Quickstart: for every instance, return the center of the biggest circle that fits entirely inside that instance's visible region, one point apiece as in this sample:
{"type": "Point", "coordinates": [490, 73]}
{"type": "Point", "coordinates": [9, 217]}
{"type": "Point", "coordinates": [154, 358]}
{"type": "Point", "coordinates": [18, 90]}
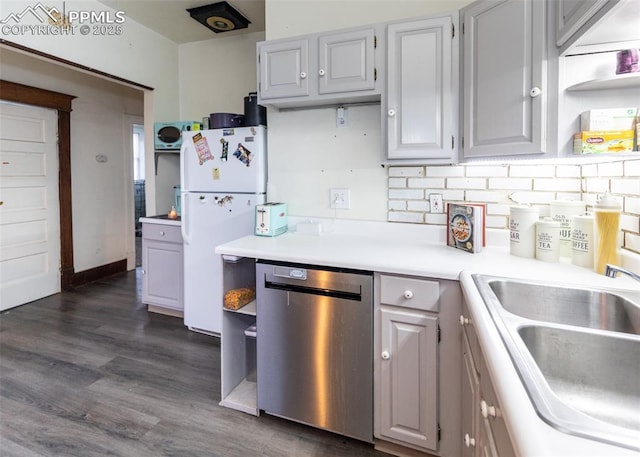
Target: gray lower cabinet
{"type": "Point", "coordinates": [484, 431]}
{"type": "Point", "coordinates": [507, 93]}
{"type": "Point", "coordinates": [417, 371]}
{"type": "Point", "coordinates": [422, 89]}
{"type": "Point", "coordinates": [162, 267]}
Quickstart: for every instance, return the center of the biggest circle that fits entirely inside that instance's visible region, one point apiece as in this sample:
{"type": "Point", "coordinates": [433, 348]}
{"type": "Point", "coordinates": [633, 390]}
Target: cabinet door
{"type": "Point", "coordinates": [162, 274]}
{"type": "Point", "coordinates": [408, 377]}
{"type": "Point", "coordinates": [504, 78]}
{"type": "Point", "coordinates": [283, 69]}
{"type": "Point", "coordinates": [470, 401]}
{"type": "Point", "coordinates": [573, 14]}
{"type": "Point", "coordinates": [421, 89]}
{"type": "Point", "coordinates": [346, 62]}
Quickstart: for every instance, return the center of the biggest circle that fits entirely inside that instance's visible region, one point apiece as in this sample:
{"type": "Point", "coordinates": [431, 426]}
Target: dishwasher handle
{"type": "Point", "coordinates": [357, 296]}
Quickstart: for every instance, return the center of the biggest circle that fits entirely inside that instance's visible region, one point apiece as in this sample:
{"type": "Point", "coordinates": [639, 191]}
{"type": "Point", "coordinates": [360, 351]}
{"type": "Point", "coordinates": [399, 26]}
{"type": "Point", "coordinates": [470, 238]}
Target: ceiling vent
{"type": "Point", "coordinates": [219, 17]}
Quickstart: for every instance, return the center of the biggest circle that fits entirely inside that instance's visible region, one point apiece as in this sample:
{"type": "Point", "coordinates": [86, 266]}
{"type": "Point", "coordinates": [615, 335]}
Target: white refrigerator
{"type": "Point", "coordinates": [223, 176]}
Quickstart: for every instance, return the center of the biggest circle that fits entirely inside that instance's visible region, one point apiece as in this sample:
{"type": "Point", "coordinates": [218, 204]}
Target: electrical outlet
{"type": "Point", "coordinates": [340, 198]}
{"type": "Point", "coordinates": [435, 203]}
{"type": "Point", "coordinates": [341, 118]}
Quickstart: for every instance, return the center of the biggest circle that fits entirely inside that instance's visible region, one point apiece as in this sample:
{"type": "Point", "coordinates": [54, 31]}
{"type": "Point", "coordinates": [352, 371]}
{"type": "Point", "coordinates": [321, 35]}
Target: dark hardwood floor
{"type": "Point", "coordinates": [90, 373]}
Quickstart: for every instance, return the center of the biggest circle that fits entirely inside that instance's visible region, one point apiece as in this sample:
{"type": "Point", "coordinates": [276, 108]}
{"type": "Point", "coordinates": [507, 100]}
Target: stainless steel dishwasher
{"type": "Point", "coordinates": [315, 346]}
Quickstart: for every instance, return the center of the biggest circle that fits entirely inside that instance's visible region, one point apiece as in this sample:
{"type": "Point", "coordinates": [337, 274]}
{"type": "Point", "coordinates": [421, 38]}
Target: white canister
{"type": "Point", "coordinates": [562, 211]}
{"type": "Point", "coordinates": [522, 230]}
{"type": "Point", "coordinates": [582, 240]}
{"type": "Point", "coordinates": [548, 240]}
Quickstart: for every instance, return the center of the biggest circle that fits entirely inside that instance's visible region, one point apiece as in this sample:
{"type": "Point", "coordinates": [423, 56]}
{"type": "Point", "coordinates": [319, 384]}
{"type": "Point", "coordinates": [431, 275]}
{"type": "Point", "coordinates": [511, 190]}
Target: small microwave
{"type": "Point", "coordinates": [168, 135]}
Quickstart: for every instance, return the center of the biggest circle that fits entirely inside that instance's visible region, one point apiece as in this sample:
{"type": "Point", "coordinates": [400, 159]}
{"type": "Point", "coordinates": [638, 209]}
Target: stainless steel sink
{"type": "Point", "coordinates": [564, 305]}
{"type": "Point", "coordinates": [577, 352]}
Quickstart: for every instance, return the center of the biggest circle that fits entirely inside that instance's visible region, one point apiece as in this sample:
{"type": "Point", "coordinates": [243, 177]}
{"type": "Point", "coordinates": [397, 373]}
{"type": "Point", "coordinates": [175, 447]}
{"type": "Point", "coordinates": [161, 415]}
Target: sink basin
{"type": "Point", "coordinates": [571, 306]}
{"type": "Point", "coordinates": [577, 352]}
{"type": "Point", "coordinates": [595, 374]}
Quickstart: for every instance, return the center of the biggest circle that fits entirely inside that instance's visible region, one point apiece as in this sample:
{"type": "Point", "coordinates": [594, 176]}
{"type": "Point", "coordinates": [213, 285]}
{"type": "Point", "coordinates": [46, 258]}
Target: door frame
{"type": "Point", "coordinates": [20, 93]}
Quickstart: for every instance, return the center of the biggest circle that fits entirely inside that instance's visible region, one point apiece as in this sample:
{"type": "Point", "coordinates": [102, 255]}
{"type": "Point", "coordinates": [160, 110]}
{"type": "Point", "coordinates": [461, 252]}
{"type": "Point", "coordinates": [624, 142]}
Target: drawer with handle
{"type": "Point", "coordinates": [160, 232]}
{"type": "Point", "coordinates": [410, 293]}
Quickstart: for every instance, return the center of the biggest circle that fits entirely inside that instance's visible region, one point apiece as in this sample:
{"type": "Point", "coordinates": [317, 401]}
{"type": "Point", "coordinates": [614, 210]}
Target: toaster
{"type": "Point", "coordinates": [271, 219]}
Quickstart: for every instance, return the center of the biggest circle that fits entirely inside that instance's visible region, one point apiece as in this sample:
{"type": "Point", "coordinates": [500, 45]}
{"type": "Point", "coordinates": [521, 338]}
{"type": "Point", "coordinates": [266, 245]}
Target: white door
{"type": "Point", "coordinates": [29, 205]}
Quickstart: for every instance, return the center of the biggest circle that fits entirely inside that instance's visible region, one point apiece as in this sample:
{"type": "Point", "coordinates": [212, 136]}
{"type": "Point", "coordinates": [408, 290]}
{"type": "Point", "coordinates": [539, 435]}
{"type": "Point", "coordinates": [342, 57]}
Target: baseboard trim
{"type": "Point", "coordinates": [93, 274]}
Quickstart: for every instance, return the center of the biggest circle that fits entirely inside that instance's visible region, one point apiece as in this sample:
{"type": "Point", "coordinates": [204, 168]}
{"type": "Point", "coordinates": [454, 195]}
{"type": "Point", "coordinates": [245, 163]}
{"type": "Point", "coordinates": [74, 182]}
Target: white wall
{"type": "Point", "coordinates": [307, 154]}
{"type": "Point", "coordinates": [285, 18]}
{"type": "Point", "coordinates": [215, 75]}
{"type": "Point", "coordinates": [101, 192]}
{"type": "Point", "coordinates": [137, 54]}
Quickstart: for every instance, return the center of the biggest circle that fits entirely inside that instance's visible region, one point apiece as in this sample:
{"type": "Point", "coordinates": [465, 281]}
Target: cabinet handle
{"type": "Point", "coordinates": [408, 294]}
{"type": "Point", "coordinates": [161, 232]}
{"type": "Point", "coordinates": [385, 355]}
{"type": "Point", "coordinates": [468, 441]}
{"type": "Point", "coordinates": [535, 92]}
{"type": "Point", "coordinates": [391, 113]}
{"type": "Point", "coordinates": [144, 272]}
{"type": "Point", "coordinates": [464, 320]}
{"type": "Point", "coordinates": [321, 72]}
{"type": "Point", "coordinates": [487, 410]}
{"type": "Point", "coordinates": [303, 75]}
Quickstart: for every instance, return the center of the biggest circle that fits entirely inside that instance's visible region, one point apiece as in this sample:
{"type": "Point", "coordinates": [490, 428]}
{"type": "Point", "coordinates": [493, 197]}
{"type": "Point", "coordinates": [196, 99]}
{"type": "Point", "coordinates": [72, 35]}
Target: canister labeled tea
{"type": "Point", "coordinates": [548, 240]}
{"type": "Point", "coordinates": [522, 230]}
{"type": "Point", "coordinates": [582, 240]}
{"type": "Point", "coordinates": [562, 211]}
{"type": "Point", "coordinates": [607, 224]}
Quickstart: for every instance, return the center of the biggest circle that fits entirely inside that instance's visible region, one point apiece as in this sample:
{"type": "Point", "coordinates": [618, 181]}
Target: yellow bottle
{"type": "Point", "coordinates": [607, 227]}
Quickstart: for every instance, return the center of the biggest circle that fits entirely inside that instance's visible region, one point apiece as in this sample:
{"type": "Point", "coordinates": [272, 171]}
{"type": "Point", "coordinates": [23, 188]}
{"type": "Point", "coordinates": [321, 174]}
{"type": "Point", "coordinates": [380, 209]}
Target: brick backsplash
{"type": "Point", "coordinates": [500, 186]}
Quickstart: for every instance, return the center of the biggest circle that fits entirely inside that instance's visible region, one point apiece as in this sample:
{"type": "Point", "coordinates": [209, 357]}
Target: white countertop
{"type": "Point", "coordinates": [420, 250]}
{"type": "Point", "coordinates": [160, 220]}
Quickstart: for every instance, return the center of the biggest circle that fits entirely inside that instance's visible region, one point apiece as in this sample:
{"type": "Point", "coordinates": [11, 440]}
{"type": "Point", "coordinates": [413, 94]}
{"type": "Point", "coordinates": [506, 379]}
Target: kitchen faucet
{"type": "Point", "coordinates": [612, 271]}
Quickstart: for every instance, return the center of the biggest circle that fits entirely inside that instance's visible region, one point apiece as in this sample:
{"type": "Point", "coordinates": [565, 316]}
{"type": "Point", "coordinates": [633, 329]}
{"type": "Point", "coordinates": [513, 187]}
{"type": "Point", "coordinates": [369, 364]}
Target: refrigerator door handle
{"type": "Point", "coordinates": [185, 217]}
{"type": "Point", "coordinates": [183, 150]}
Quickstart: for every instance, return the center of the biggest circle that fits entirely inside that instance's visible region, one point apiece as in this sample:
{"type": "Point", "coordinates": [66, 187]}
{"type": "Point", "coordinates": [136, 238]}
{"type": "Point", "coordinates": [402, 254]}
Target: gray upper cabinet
{"type": "Point", "coordinates": [346, 62]}
{"type": "Point", "coordinates": [505, 78]}
{"type": "Point", "coordinates": [594, 26]}
{"type": "Point", "coordinates": [573, 14]}
{"type": "Point", "coordinates": [283, 69]}
{"type": "Point", "coordinates": [319, 69]}
{"type": "Point", "coordinates": [422, 89]}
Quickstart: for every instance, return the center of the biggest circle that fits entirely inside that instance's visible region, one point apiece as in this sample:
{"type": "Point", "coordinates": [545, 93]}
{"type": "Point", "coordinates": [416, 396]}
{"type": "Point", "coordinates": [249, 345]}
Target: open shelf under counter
{"type": "Point", "coordinates": [623, 81]}
{"type": "Point", "coordinates": [250, 309]}
{"type": "Point", "coordinates": [243, 398]}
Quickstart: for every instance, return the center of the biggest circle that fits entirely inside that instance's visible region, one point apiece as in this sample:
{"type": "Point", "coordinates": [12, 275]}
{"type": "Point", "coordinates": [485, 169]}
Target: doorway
{"type": "Point", "coordinates": [139, 182]}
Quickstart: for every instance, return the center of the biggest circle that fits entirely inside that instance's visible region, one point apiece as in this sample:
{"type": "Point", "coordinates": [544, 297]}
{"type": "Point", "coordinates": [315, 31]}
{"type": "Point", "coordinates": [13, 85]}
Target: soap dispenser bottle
{"type": "Point", "coordinates": [607, 227]}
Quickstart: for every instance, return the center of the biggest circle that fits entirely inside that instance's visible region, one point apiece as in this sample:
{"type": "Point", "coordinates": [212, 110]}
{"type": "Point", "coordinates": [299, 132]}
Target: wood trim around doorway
{"type": "Point", "coordinates": [19, 93]}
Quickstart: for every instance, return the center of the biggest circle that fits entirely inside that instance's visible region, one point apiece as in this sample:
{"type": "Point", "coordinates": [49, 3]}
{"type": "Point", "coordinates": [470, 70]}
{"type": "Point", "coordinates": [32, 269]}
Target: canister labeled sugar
{"type": "Point", "coordinates": [562, 211]}
{"type": "Point", "coordinates": [548, 240]}
{"type": "Point", "coordinates": [522, 230]}
{"type": "Point", "coordinates": [607, 225]}
{"type": "Point", "coordinates": [582, 240]}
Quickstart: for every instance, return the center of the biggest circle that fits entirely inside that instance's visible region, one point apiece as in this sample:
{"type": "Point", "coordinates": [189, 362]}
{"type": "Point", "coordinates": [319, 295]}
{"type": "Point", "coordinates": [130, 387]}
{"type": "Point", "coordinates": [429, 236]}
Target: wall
{"type": "Point", "coordinates": [101, 192]}
{"type": "Point", "coordinates": [502, 185]}
{"type": "Point", "coordinates": [307, 153]}
{"type": "Point", "coordinates": [136, 54]}
{"type": "Point", "coordinates": [215, 75]}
